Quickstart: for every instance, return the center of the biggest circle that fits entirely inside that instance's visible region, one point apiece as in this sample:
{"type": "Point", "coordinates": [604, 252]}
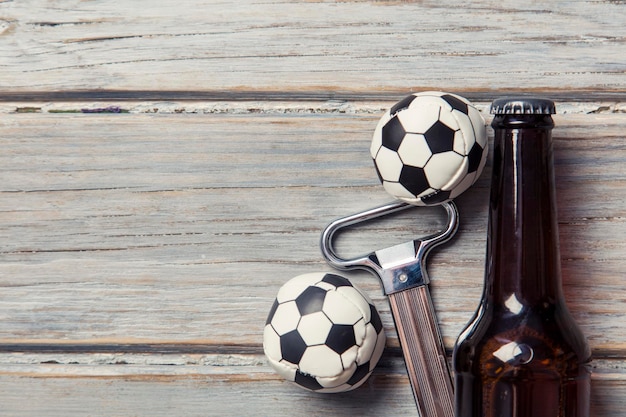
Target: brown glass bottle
{"type": "Point", "coordinates": [522, 355]}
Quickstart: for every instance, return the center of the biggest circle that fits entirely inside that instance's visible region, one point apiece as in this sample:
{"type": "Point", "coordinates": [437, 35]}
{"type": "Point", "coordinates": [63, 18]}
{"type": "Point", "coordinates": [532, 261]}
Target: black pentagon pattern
{"type": "Point", "coordinates": [292, 347]}
{"type": "Point", "coordinates": [440, 137]}
{"type": "Point", "coordinates": [336, 280]}
{"type": "Point", "coordinates": [392, 134]}
{"type": "Point", "coordinates": [375, 319]}
{"type": "Point", "coordinates": [402, 104]}
{"type": "Point", "coordinates": [360, 373]}
{"type": "Point", "coordinates": [270, 316]}
{"type": "Point", "coordinates": [474, 157]}
{"type": "Point", "coordinates": [307, 381]}
{"type": "Point", "coordinates": [436, 198]}
{"type": "Point", "coordinates": [456, 103]}
{"type": "Point", "coordinates": [341, 337]}
{"type": "Point", "coordinates": [414, 179]}
{"type": "Point", "coordinates": [311, 300]}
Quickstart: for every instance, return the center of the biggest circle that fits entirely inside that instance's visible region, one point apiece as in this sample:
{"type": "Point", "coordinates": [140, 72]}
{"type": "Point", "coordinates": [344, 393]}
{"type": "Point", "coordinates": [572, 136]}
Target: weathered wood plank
{"type": "Point", "coordinates": [217, 385]}
{"type": "Point", "coordinates": [283, 46]}
{"type": "Point", "coordinates": [166, 228]}
{"type": "Point", "coordinates": [214, 386]}
{"type": "Point", "coordinates": [141, 247]}
{"type": "Point", "coordinates": [140, 253]}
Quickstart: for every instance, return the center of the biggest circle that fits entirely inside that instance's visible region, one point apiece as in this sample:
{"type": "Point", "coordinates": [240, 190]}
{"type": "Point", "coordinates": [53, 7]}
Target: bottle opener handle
{"type": "Point", "coordinates": [401, 269]}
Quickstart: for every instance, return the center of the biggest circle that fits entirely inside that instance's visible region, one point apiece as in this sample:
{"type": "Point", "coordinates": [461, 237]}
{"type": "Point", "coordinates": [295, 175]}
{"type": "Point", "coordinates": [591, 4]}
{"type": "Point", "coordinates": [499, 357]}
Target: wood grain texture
{"type": "Point", "coordinates": [167, 166]}
{"type": "Point", "coordinates": [287, 46]}
{"type": "Point", "coordinates": [165, 216]}
{"type": "Point", "coordinates": [243, 387]}
{"type": "Point", "coordinates": [135, 257]}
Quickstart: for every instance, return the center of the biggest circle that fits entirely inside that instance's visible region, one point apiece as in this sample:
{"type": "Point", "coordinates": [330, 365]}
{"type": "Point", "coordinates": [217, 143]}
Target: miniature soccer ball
{"type": "Point", "coordinates": [323, 333]}
{"type": "Point", "coordinates": [429, 147]}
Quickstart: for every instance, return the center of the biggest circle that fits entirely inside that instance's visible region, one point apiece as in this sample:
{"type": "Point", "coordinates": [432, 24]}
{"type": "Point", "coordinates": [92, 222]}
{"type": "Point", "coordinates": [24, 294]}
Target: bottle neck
{"type": "Point", "coordinates": [523, 244]}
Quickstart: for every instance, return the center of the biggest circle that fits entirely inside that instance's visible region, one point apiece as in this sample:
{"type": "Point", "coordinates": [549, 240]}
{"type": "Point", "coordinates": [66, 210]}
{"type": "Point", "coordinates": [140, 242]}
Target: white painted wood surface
{"type": "Point", "coordinates": [141, 247]}
{"type": "Point", "coordinates": [321, 46]}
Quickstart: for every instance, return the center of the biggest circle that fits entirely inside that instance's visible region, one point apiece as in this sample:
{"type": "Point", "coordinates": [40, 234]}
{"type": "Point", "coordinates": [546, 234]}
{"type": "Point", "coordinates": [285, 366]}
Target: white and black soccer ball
{"type": "Point", "coordinates": [323, 333]}
{"type": "Point", "coordinates": [429, 147]}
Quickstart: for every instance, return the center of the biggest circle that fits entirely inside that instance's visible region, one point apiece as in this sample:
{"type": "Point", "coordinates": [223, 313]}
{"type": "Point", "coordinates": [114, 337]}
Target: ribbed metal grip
{"type": "Point", "coordinates": [424, 352]}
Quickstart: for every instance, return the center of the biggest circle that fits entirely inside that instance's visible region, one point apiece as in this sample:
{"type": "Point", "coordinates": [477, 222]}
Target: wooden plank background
{"type": "Point", "coordinates": [166, 167]}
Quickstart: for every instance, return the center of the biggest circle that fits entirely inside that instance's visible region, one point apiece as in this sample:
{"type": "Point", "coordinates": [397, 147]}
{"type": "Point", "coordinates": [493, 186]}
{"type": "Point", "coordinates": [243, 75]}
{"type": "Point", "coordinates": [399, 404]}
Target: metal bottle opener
{"type": "Point", "coordinates": [402, 270]}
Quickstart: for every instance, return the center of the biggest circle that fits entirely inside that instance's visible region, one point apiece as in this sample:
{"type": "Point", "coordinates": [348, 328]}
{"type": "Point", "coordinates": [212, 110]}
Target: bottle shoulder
{"type": "Point", "coordinates": [544, 337]}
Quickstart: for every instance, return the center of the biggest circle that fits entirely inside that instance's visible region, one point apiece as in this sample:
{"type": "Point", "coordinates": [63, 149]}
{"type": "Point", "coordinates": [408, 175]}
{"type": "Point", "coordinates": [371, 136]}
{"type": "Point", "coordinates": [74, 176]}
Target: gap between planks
{"type": "Point", "coordinates": [45, 347]}
{"type": "Point", "coordinates": [332, 106]}
{"type": "Point", "coordinates": [273, 102]}
{"type": "Point", "coordinates": [312, 95]}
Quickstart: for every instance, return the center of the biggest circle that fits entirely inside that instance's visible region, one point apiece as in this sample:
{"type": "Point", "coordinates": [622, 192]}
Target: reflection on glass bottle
{"type": "Point", "coordinates": [522, 355]}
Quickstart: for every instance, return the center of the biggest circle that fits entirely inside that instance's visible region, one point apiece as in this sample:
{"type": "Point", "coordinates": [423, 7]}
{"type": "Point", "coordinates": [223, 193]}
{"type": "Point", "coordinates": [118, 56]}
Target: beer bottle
{"type": "Point", "coordinates": [522, 355]}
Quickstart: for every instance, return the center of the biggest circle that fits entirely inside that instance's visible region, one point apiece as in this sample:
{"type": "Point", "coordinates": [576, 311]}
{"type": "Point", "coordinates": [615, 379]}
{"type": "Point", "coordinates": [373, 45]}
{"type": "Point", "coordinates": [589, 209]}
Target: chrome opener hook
{"type": "Point", "coordinates": [402, 270]}
{"type": "Point", "coordinates": [399, 267]}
